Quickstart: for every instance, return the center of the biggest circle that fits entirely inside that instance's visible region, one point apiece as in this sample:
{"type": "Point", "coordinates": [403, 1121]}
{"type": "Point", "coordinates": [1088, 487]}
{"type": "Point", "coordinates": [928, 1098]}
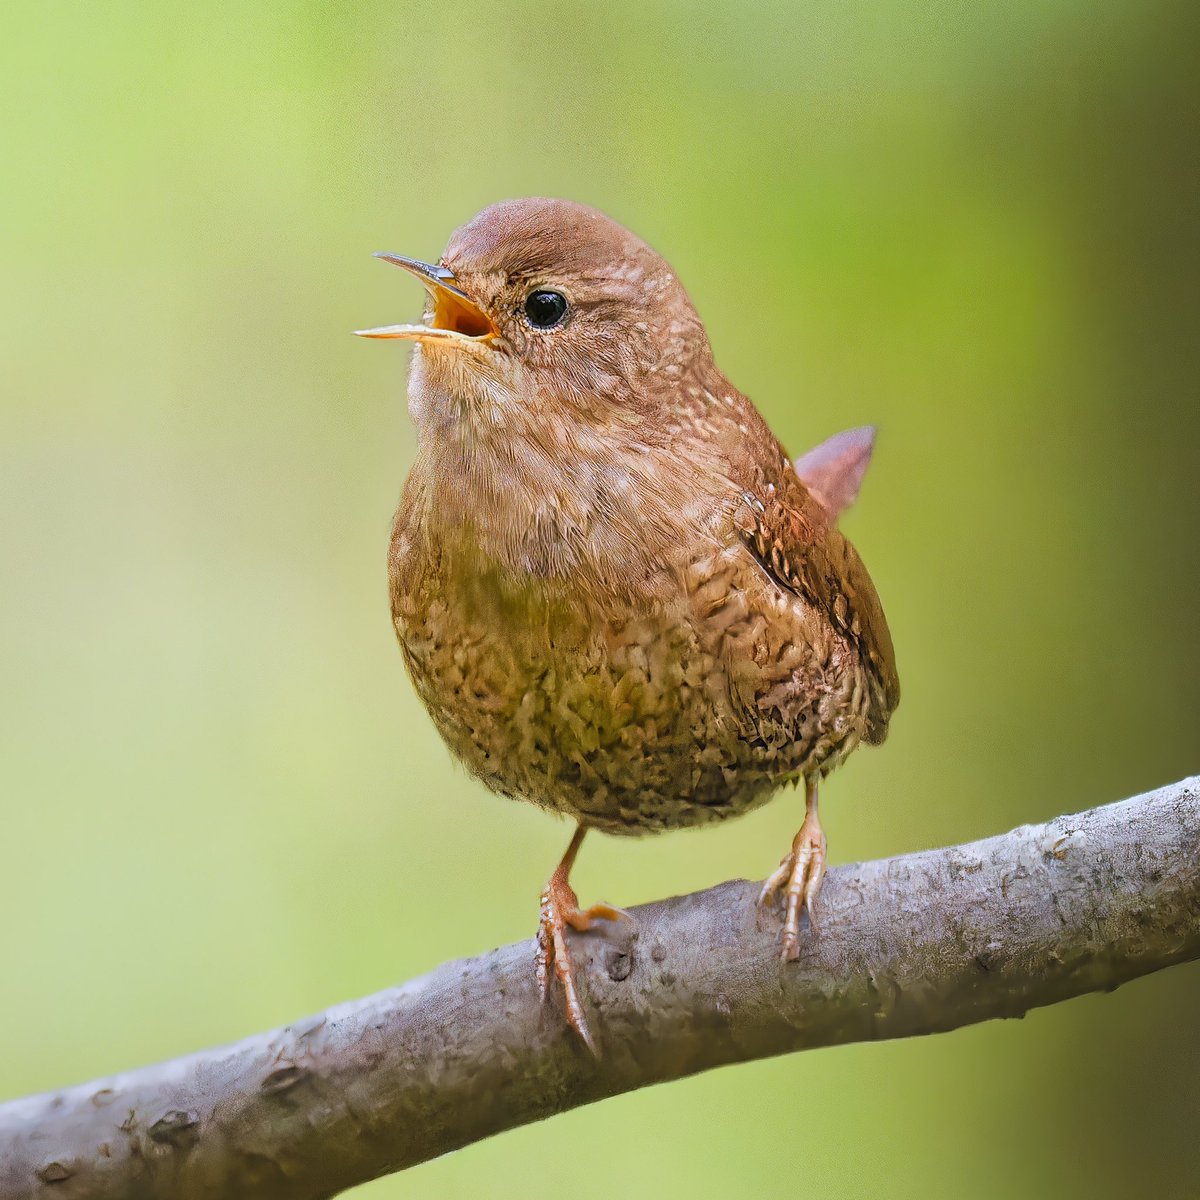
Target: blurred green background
{"type": "Point", "coordinates": [221, 806]}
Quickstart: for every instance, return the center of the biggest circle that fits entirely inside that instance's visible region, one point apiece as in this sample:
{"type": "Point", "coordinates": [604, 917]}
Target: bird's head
{"type": "Point", "coordinates": [546, 311]}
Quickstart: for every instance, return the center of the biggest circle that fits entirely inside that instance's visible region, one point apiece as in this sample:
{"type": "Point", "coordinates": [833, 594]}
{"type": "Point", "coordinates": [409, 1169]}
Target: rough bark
{"type": "Point", "coordinates": [911, 945]}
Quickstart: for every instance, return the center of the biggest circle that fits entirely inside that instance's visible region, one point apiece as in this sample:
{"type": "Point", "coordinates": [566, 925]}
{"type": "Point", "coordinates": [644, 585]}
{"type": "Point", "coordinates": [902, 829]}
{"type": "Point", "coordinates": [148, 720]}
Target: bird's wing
{"type": "Point", "coordinates": [792, 535]}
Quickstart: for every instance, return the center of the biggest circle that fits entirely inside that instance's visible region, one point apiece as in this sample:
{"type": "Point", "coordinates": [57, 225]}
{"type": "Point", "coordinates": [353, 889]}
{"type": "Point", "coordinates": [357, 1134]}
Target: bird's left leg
{"type": "Point", "coordinates": [799, 874]}
{"type": "Point", "coordinates": [560, 908]}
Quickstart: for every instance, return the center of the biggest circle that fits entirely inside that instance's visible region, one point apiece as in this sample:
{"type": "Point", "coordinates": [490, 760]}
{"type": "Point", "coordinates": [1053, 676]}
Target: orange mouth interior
{"type": "Point", "coordinates": [459, 315]}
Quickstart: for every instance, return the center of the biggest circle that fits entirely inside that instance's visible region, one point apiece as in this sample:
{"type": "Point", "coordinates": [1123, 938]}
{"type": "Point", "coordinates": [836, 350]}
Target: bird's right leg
{"type": "Point", "coordinates": [560, 908]}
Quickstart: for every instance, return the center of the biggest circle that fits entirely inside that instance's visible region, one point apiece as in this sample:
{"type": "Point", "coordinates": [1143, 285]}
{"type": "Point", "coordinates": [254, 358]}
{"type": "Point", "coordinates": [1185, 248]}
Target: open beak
{"type": "Point", "coordinates": [455, 317]}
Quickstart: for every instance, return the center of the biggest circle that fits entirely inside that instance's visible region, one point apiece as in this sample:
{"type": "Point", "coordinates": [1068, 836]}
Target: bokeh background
{"type": "Point", "coordinates": [221, 806]}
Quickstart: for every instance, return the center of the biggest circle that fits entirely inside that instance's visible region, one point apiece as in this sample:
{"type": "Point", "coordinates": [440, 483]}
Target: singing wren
{"type": "Point", "coordinates": [617, 596]}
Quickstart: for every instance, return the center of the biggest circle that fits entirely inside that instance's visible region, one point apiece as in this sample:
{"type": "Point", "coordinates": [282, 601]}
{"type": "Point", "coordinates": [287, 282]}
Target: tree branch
{"type": "Point", "coordinates": [917, 944]}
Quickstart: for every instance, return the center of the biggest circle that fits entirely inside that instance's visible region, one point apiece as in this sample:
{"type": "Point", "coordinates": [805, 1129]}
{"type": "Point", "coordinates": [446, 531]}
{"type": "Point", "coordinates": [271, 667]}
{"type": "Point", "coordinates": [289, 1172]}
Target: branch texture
{"type": "Point", "coordinates": [912, 945]}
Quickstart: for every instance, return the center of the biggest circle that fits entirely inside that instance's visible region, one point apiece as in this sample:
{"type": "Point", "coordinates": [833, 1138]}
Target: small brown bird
{"type": "Point", "coordinates": [615, 593]}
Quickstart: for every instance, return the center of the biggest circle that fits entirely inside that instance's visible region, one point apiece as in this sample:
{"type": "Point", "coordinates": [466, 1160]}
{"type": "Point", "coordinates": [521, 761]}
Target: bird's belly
{"type": "Point", "coordinates": [629, 722]}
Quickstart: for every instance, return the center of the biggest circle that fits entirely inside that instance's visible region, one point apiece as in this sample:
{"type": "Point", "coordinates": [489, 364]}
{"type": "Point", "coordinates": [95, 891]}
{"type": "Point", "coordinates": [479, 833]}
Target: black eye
{"type": "Point", "coordinates": [544, 310]}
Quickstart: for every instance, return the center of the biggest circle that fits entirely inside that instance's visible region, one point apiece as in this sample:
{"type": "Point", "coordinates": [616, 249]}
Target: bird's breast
{"type": "Point", "coordinates": [664, 697]}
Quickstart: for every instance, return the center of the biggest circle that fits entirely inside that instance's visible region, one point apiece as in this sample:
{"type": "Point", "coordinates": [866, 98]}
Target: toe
{"type": "Point", "coordinates": [777, 879]}
{"type": "Point", "coordinates": [583, 919]}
